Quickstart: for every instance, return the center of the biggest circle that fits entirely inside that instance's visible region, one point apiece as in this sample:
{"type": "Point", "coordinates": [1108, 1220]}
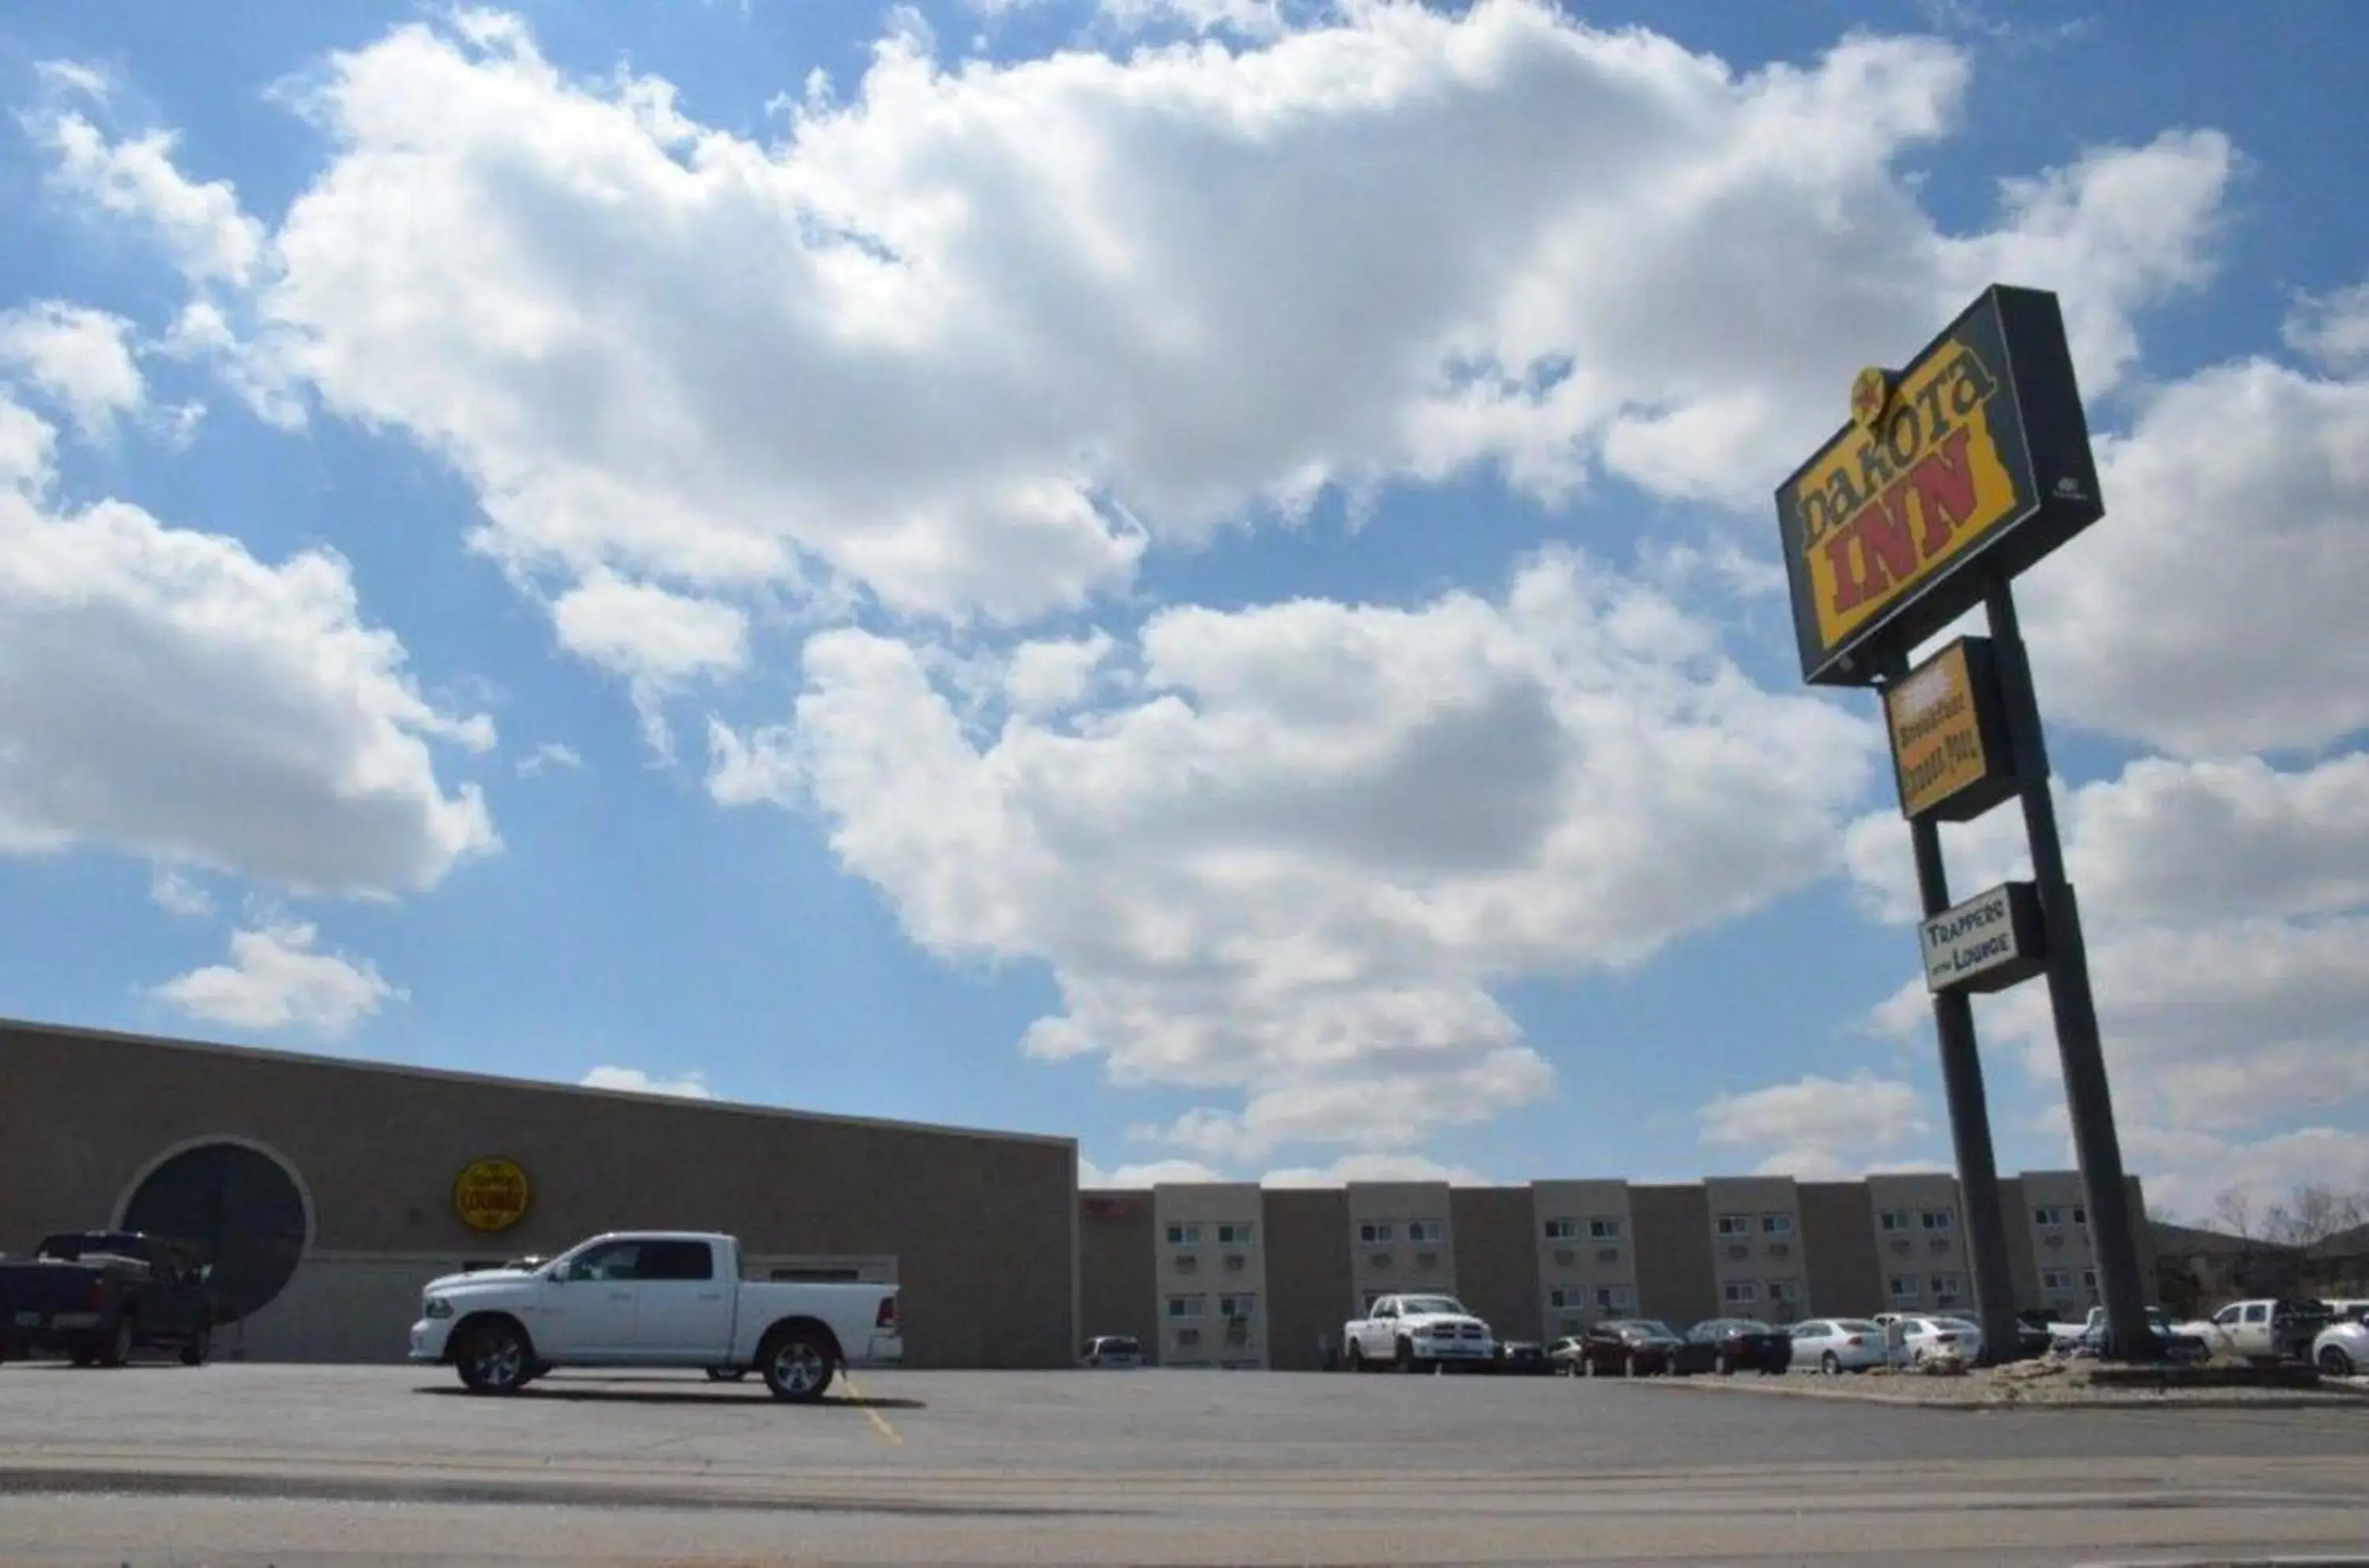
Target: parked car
{"type": "Point", "coordinates": [2264, 1329]}
{"type": "Point", "coordinates": [1415, 1333]}
{"type": "Point", "coordinates": [2341, 1349]}
{"type": "Point", "coordinates": [653, 1298]}
{"type": "Point", "coordinates": [1736, 1344]}
{"type": "Point", "coordinates": [1625, 1347]}
{"type": "Point", "coordinates": [1523, 1358]}
{"type": "Point", "coordinates": [97, 1296]}
{"type": "Point", "coordinates": [1834, 1345]}
{"type": "Point", "coordinates": [2066, 1336]}
{"type": "Point", "coordinates": [1112, 1351]}
{"type": "Point", "coordinates": [1924, 1338]}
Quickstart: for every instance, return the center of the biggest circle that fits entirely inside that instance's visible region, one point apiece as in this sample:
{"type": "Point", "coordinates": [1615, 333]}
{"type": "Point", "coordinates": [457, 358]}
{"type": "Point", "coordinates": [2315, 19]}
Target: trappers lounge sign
{"type": "Point", "coordinates": [1953, 475]}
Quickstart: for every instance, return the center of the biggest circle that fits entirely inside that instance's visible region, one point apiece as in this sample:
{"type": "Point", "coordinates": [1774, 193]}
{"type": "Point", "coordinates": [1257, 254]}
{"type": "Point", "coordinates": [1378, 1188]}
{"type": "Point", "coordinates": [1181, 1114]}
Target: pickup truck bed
{"type": "Point", "coordinates": [97, 1297]}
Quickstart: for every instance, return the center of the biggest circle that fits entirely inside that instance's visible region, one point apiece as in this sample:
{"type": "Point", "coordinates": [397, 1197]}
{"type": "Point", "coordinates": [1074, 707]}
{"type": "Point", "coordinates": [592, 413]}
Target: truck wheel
{"type": "Point", "coordinates": [118, 1348]}
{"type": "Point", "coordinates": [198, 1347]}
{"type": "Point", "coordinates": [1356, 1356]}
{"type": "Point", "coordinates": [1406, 1355]}
{"type": "Point", "coordinates": [798, 1366]}
{"type": "Point", "coordinates": [493, 1359]}
{"type": "Point", "coordinates": [727, 1374]}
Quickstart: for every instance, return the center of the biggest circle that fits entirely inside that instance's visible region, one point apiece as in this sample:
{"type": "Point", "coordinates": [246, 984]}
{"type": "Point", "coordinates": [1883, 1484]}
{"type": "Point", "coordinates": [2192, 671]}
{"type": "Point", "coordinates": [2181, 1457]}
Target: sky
{"type": "Point", "coordinates": [1197, 574]}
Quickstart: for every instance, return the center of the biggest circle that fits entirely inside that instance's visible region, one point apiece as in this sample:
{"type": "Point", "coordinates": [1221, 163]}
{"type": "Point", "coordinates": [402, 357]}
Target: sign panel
{"type": "Point", "coordinates": [490, 1194]}
{"type": "Point", "coordinates": [1948, 745]}
{"type": "Point", "coordinates": [1953, 475]}
{"type": "Point", "coordinates": [1989, 942]}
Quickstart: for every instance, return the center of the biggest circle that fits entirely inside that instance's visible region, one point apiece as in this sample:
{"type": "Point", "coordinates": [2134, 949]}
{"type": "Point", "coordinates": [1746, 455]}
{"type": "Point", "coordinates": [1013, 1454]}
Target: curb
{"type": "Point", "coordinates": [2173, 1400]}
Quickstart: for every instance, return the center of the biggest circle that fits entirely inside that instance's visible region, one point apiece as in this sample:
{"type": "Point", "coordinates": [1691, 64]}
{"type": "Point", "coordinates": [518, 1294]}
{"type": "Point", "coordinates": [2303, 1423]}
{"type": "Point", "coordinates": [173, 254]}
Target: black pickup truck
{"type": "Point", "coordinates": [97, 1296]}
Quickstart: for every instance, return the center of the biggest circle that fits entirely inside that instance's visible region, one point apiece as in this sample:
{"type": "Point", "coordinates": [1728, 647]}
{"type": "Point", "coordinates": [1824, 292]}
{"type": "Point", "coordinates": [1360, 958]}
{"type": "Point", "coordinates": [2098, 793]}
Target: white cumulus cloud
{"type": "Point", "coordinates": [634, 1080]}
{"type": "Point", "coordinates": [275, 979]}
{"type": "Point", "coordinates": [1817, 1126]}
{"type": "Point", "coordinates": [79, 356]}
{"type": "Point", "coordinates": [1295, 861]}
{"type": "Point", "coordinates": [165, 693]}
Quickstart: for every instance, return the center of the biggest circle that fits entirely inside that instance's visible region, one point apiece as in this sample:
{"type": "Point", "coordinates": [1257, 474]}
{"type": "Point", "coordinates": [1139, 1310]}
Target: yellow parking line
{"type": "Point", "coordinates": [879, 1421]}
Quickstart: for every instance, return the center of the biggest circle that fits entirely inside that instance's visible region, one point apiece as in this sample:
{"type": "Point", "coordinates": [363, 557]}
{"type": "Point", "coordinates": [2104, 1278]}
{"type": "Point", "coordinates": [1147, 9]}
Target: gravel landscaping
{"type": "Point", "coordinates": [2046, 1383]}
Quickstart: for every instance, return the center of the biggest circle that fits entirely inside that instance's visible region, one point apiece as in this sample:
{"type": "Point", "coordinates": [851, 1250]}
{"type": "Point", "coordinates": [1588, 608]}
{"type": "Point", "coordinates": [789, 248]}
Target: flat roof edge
{"type": "Point", "coordinates": [538, 1085]}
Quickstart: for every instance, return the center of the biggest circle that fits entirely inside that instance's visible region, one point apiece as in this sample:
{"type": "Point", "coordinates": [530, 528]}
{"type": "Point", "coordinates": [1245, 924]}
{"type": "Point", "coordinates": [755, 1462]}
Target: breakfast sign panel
{"type": "Point", "coordinates": [1953, 475]}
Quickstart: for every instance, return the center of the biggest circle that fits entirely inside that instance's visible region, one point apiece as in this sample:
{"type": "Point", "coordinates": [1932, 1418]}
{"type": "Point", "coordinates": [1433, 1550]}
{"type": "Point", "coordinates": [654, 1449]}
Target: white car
{"type": "Point", "coordinates": [1416, 1333]}
{"type": "Point", "coordinates": [1120, 1351]}
{"type": "Point", "coordinates": [1839, 1344]}
{"type": "Point", "coordinates": [1923, 1339]}
{"type": "Point", "coordinates": [653, 1298]}
{"type": "Point", "coordinates": [2341, 1349]}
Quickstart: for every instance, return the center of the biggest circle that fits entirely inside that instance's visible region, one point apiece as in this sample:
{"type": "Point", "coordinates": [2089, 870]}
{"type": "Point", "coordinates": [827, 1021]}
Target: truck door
{"type": "Point", "coordinates": [2254, 1330]}
{"type": "Point", "coordinates": [685, 1301]}
{"type": "Point", "coordinates": [588, 1311]}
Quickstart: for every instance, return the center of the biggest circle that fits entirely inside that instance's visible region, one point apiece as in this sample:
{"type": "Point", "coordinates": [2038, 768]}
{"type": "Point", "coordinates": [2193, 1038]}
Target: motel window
{"type": "Point", "coordinates": [1559, 1299]}
{"type": "Point", "coordinates": [1184, 1235]}
{"type": "Point", "coordinates": [2048, 1217]}
{"type": "Point", "coordinates": [1613, 1299]}
{"type": "Point", "coordinates": [1741, 1292]}
{"type": "Point", "coordinates": [1945, 1289]}
{"type": "Point", "coordinates": [1424, 1230]}
{"type": "Point", "coordinates": [2055, 1280]}
{"type": "Point", "coordinates": [2081, 1215]}
{"type": "Point", "coordinates": [1233, 1235]}
{"type": "Point", "coordinates": [1377, 1232]}
{"type": "Point", "coordinates": [1893, 1220]}
{"type": "Point", "coordinates": [1562, 1230]}
{"type": "Point", "coordinates": [1604, 1229]}
{"type": "Point", "coordinates": [1735, 1225]}
{"type": "Point", "coordinates": [1232, 1307]}
{"type": "Point", "coordinates": [1904, 1288]}
{"type": "Point", "coordinates": [1937, 1219]}
{"type": "Point", "coordinates": [1776, 1224]}
{"type": "Point", "coordinates": [1184, 1306]}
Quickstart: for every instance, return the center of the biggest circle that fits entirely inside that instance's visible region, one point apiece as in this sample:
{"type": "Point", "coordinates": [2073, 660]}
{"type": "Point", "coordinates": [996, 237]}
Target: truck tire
{"type": "Point", "coordinates": [1406, 1361]}
{"type": "Point", "coordinates": [1356, 1356]}
{"type": "Point", "coordinates": [798, 1365]}
{"type": "Point", "coordinates": [119, 1347]}
{"type": "Point", "coordinates": [493, 1358]}
{"type": "Point", "coordinates": [198, 1349]}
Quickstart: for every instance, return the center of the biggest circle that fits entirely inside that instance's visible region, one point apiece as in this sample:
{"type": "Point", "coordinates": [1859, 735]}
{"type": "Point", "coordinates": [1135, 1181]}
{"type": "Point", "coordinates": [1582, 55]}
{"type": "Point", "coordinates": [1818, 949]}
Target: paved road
{"type": "Point", "coordinates": [295, 1465]}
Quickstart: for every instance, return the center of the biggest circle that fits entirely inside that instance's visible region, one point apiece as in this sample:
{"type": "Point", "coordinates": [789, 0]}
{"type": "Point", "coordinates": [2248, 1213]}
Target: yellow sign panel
{"type": "Point", "coordinates": [490, 1194]}
{"type": "Point", "coordinates": [1937, 734]}
{"type": "Point", "coordinates": [1894, 503]}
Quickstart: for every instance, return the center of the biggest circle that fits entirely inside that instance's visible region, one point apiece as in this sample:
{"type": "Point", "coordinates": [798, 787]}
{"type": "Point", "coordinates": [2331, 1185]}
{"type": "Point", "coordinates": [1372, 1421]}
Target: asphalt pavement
{"type": "Point", "coordinates": [351, 1465]}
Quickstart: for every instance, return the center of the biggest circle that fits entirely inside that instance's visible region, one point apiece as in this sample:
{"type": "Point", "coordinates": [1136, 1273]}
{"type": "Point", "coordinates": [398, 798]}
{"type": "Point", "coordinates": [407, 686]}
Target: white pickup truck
{"type": "Point", "coordinates": [1415, 1333]}
{"type": "Point", "coordinates": [652, 1299]}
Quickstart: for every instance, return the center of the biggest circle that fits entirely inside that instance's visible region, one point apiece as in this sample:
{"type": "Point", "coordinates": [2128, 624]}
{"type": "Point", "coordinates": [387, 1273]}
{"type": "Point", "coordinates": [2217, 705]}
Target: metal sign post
{"type": "Point", "coordinates": [2088, 1101]}
{"type": "Point", "coordinates": [1970, 1124]}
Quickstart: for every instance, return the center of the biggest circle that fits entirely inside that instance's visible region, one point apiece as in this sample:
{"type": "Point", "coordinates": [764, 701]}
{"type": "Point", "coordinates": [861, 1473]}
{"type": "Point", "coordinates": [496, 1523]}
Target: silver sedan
{"type": "Point", "coordinates": [1837, 1344]}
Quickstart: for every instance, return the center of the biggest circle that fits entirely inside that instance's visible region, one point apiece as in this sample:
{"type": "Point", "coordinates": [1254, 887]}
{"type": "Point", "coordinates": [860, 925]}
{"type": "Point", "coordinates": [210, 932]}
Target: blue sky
{"type": "Point", "coordinates": [1191, 573]}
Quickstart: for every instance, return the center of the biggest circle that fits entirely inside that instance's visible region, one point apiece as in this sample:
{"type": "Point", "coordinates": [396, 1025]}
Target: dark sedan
{"type": "Point", "coordinates": [1623, 1347]}
{"type": "Point", "coordinates": [1736, 1344]}
{"type": "Point", "coordinates": [1523, 1358]}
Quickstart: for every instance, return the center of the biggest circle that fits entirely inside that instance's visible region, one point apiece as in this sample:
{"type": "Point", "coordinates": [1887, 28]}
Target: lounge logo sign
{"type": "Point", "coordinates": [1956, 472]}
{"type": "Point", "coordinates": [1989, 942]}
{"type": "Point", "coordinates": [491, 1194]}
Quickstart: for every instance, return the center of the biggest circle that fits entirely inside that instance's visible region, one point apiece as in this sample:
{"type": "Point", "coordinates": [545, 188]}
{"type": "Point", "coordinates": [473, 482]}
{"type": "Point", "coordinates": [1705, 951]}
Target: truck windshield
{"type": "Point", "coordinates": [1432, 1304]}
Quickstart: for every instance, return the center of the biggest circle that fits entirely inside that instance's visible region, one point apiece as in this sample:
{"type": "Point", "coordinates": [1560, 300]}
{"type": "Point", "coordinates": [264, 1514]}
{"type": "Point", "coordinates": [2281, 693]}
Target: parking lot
{"type": "Point", "coordinates": [289, 1464]}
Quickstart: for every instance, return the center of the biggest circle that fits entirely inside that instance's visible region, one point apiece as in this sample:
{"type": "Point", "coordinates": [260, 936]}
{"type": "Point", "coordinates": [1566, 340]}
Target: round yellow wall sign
{"type": "Point", "coordinates": [490, 1194]}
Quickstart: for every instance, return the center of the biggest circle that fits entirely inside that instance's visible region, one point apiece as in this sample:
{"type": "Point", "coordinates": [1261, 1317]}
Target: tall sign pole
{"type": "Point", "coordinates": [1970, 1121]}
{"type": "Point", "coordinates": [2089, 1100]}
{"type": "Point", "coordinates": [1953, 476]}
